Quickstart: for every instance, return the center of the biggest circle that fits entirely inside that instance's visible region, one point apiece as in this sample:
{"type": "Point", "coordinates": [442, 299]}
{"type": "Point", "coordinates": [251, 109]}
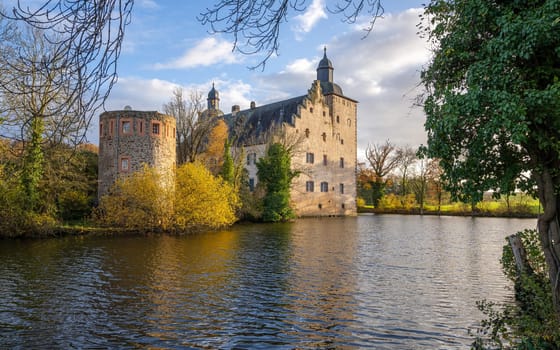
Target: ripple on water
{"type": "Point", "coordinates": [381, 282]}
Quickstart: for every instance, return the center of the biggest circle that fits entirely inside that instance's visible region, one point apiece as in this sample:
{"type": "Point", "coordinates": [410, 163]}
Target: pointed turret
{"type": "Point", "coordinates": [213, 99]}
{"type": "Point", "coordinates": [325, 69]}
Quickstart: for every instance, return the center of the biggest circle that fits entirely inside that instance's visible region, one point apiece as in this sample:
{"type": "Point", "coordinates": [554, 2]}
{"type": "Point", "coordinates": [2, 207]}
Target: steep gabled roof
{"type": "Point", "coordinates": [253, 125]}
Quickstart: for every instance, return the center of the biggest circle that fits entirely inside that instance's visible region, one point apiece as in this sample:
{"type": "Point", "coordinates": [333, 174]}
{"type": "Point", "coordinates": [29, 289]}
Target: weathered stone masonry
{"type": "Point", "coordinates": [129, 139]}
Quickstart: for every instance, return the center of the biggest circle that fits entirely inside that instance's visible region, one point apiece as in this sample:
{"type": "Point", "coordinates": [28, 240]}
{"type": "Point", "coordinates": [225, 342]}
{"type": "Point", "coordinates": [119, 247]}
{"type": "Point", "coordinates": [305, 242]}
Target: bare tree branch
{"type": "Point", "coordinates": [80, 45]}
{"type": "Point", "coordinates": [255, 24]}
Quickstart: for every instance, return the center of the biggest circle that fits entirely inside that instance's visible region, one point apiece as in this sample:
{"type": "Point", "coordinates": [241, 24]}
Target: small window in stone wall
{"type": "Point", "coordinates": [337, 119]}
{"type": "Point", "coordinates": [307, 132]}
{"type": "Point", "coordinates": [310, 158]}
{"type": "Point", "coordinates": [156, 128]}
{"type": "Point", "coordinates": [349, 122]}
{"type": "Point", "coordinates": [100, 130]}
{"type": "Point", "coordinates": [309, 186]}
{"type": "Point", "coordinates": [342, 141]}
{"type": "Point", "coordinates": [141, 127]}
{"type": "Point", "coordinates": [126, 128]}
{"type": "Point", "coordinates": [341, 186]}
{"type": "Point", "coordinates": [324, 187]}
{"type": "Point", "coordinates": [311, 110]}
{"type": "Point", "coordinates": [325, 160]}
{"type": "Point", "coordinates": [324, 135]}
{"type": "Point", "coordinates": [124, 165]}
{"type": "Point", "coordinates": [341, 162]}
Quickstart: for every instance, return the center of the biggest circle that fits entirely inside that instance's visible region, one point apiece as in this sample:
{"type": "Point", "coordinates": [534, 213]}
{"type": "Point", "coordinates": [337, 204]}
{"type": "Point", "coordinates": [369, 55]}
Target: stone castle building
{"type": "Point", "coordinates": [321, 125]}
{"type": "Point", "coordinates": [129, 139]}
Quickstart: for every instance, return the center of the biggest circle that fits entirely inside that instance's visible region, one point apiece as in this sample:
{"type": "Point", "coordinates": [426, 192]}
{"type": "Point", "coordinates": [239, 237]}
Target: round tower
{"type": "Point", "coordinates": [129, 139]}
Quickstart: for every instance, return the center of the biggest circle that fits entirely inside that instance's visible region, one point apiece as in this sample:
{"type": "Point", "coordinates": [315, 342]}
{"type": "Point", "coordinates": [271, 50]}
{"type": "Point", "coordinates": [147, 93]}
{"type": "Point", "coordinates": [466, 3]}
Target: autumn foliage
{"type": "Point", "coordinates": [142, 202]}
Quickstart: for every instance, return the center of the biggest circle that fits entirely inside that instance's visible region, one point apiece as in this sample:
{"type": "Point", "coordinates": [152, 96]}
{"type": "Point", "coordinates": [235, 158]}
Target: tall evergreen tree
{"type": "Point", "coordinates": [274, 172]}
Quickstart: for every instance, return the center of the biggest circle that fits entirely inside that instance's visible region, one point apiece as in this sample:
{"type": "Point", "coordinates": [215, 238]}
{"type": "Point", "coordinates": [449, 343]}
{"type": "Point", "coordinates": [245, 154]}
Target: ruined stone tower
{"type": "Point", "coordinates": [129, 139]}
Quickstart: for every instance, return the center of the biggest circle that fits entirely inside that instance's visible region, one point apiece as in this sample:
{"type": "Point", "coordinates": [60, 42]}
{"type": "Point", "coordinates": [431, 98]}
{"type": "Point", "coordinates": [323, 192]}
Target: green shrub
{"type": "Point", "coordinates": [529, 322]}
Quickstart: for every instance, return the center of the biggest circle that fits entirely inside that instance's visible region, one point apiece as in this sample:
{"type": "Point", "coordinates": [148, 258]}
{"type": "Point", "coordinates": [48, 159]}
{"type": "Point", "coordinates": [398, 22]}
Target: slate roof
{"type": "Point", "coordinates": [251, 126]}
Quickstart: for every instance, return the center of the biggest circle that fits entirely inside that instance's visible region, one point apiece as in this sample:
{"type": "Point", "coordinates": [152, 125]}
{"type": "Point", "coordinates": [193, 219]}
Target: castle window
{"type": "Point", "coordinates": [325, 161]}
{"type": "Point", "coordinates": [251, 158]}
{"type": "Point", "coordinates": [155, 128]}
{"type": "Point", "coordinates": [310, 158]}
{"type": "Point", "coordinates": [341, 186]}
{"type": "Point", "coordinates": [251, 184]}
{"type": "Point", "coordinates": [100, 129]}
{"type": "Point", "coordinates": [311, 110]}
{"type": "Point", "coordinates": [337, 119]}
{"type": "Point", "coordinates": [349, 122]}
{"type": "Point", "coordinates": [174, 133]}
{"type": "Point", "coordinates": [320, 206]}
{"type": "Point", "coordinates": [306, 132]}
{"type": "Point", "coordinates": [111, 129]}
{"type": "Point", "coordinates": [341, 162]}
{"type": "Point", "coordinates": [324, 136]}
{"type": "Point", "coordinates": [125, 127]}
{"type": "Point", "coordinates": [141, 128]}
{"type": "Point", "coordinates": [342, 141]}
{"type": "Point", "coordinates": [124, 164]}
{"type": "Point", "coordinates": [309, 186]}
{"type": "Point", "coordinates": [324, 114]}
{"type": "Point", "coordinates": [324, 187]}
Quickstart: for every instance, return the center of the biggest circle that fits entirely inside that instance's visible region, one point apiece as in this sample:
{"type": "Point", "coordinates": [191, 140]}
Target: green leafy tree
{"type": "Point", "coordinates": [275, 174]}
{"type": "Point", "coordinates": [493, 104]}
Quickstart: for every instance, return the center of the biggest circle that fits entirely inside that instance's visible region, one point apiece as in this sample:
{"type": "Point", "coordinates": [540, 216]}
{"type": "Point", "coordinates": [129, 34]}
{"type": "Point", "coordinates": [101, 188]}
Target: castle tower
{"type": "Point", "coordinates": [213, 99]}
{"type": "Point", "coordinates": [325, 69]}
{"type": "Point", "coordinates": [129, 139]}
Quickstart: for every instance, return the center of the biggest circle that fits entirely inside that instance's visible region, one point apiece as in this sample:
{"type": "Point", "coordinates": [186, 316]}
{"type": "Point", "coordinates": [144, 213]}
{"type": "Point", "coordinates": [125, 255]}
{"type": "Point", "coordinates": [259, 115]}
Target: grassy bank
{"type": "Point", "coordinates": [520, 206]}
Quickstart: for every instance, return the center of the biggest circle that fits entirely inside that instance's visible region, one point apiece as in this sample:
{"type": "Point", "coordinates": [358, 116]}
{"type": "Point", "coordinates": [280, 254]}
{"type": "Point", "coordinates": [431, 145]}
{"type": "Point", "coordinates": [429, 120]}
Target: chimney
{"type": "Point", "coordinates": [235, 109]}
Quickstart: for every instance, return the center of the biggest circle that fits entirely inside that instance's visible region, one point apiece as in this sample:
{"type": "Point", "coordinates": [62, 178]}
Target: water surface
{"type": "Point", "coordinates": [380, 281]}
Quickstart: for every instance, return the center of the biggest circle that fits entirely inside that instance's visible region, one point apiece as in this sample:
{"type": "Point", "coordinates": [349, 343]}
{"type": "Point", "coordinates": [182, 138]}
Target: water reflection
{"type": "Point", "coordinates": [381, 282]}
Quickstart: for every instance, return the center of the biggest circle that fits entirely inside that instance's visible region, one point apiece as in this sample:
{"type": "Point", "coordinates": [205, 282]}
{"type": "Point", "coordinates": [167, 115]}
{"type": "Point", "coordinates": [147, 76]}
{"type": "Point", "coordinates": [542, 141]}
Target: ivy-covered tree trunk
{"type": "Point", "coordinates": [549, 230]}
{"type": "Point", "coordinates": [33, 164]}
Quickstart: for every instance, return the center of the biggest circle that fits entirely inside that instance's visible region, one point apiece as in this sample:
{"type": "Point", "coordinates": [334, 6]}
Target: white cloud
{"type": "Point", "coordinates": [308, 19]}
{"type": "Point", "coordinates": [382, 72]}
{"type": "Point", "coordinates": [206, 52]}
{"type": "Point", "coordinates": [148, 4]}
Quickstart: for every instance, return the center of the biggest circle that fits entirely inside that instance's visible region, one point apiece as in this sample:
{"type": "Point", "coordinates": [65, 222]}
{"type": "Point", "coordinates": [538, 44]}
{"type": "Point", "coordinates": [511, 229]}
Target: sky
{"type": "Point", "coordinates": [165, 46]}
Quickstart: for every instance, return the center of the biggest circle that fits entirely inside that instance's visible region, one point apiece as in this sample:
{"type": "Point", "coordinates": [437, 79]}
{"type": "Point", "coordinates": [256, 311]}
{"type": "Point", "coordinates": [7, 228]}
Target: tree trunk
{"type": "Point", "coordinates": [549, 231]}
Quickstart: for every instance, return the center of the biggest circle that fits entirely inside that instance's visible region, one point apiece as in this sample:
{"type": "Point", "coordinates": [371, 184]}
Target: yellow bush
{"type": "Point", "coordinates": [138, 201]}
{"type": "Point", "coordinates": [203, 200]}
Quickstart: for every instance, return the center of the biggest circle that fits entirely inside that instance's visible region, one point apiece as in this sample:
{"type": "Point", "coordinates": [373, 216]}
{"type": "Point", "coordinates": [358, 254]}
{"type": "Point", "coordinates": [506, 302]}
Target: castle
{"type": "Point", "coordinates": [321, 125]}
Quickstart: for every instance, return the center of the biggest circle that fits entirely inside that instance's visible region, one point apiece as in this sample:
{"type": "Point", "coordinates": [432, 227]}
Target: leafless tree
{"type": "Point", "coordinates": [80, 44]}
{"type": "Point", "coordinates": [193, 127]}
{"type": "Point", "coordinates": [406, 157]}
{"type": "Point", "coordinates": [255, 24]}
{"type": "Point", "coordinates": [381, 158]}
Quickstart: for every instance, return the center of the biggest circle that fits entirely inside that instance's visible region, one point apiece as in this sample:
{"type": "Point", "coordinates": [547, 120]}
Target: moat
{"type": "Point", "coordinates": [372, 281]}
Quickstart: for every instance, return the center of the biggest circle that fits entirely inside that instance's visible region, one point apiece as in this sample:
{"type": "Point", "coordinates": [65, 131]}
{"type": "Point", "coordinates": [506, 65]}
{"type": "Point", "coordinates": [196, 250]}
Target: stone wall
{"type": "Point", "coordinates": [129, 139]}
